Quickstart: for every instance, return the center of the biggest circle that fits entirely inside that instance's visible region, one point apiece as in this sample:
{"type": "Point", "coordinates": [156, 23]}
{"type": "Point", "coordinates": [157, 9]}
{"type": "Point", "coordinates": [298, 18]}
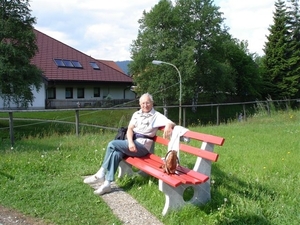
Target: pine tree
{"type": "Point", "coordinates": [292, 79]}
{"type": "Point", "coordinates": [277, 52]}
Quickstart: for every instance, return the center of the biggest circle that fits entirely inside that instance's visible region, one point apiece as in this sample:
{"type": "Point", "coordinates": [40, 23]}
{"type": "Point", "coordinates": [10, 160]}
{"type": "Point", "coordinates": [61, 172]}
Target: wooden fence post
{"type": "Point", "coordinates": [268, 108]}
{"type": "Point", "coordinates": [244, 109]}
{"type": "Point", "coordinates": [218, 119]}
{"type": "Point", "coordinates": [183, 117]}
{"type": "Point", "coordinates": [11, 128]}
{"type": "Point", "coordinates": [77, 121]}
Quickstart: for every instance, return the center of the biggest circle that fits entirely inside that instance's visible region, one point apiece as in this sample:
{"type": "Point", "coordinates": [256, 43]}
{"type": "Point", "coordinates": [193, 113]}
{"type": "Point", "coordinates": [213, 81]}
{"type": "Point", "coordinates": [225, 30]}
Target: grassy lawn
{"type": "Point", "coordinates": [255, 181]}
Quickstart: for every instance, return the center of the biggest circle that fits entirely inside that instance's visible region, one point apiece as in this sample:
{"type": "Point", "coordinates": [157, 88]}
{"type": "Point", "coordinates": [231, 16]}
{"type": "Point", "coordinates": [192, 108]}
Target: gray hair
{"type": "Point", "coordinates": [146, 95]}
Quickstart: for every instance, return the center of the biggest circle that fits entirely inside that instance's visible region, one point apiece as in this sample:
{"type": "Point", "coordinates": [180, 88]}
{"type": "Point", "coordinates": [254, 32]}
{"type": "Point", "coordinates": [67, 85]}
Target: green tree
{"type": "Point", "coordinates": [157, 39]}
{"type": "Point", "coordinates": [18, 77]}
{"type": "Point", "coordinates": [292, 78]}
{"type": "Point", "coordinates": [211, 76]}
{"type": "Point", "coordinates": [276, 60]}
{"type": "Point", "coordinates": [248, 78]}
{"type": "Point", "coordinates": [191, 36]}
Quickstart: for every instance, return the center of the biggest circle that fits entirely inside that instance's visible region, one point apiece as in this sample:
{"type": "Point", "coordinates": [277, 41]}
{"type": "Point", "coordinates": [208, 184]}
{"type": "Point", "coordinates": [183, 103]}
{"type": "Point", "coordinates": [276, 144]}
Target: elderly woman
{"type": "Point", "coordinates": [141, 129]}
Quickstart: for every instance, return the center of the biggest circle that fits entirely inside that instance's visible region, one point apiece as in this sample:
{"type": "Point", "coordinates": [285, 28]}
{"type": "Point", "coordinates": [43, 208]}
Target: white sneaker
{"type": "Point", "coordinates": [103, 189]}
{"type": "Point", "coordinates": [93, 179]}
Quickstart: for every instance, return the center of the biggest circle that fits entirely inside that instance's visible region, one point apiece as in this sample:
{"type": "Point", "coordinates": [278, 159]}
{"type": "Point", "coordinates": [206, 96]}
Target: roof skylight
{"type": "Point", "coordinates": [95, 66]}
{"type": "Point", "coordinates": [68, 63]}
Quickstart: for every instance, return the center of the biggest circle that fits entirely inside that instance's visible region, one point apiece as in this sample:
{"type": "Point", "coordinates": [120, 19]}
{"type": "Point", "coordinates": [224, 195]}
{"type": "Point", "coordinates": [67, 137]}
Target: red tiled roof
{"type": "Point", "coordinates": [50, 49]}
{"type": "Point", "coordinates": [111, 64]}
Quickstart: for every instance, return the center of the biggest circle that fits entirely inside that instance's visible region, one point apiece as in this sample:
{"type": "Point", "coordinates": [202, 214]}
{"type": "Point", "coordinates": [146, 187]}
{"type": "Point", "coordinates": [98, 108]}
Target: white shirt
{"type": "Point", "coordinates": [147, 124]}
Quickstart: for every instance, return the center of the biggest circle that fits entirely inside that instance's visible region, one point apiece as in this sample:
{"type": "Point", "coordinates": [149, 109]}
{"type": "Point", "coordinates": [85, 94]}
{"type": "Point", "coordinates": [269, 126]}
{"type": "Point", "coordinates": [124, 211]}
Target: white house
{"type": "Point", "coordinates": [74, 79]}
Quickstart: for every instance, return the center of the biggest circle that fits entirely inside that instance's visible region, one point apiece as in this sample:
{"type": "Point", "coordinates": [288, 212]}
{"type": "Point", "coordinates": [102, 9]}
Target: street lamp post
{"type": "Point", "coordinates": [157, 62]}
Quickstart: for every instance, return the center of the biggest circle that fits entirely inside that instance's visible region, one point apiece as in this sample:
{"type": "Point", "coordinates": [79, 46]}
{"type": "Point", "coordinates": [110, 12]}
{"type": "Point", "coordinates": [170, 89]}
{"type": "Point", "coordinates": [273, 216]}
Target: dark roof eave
{"type": "Point", "coordinates": [88, 81]}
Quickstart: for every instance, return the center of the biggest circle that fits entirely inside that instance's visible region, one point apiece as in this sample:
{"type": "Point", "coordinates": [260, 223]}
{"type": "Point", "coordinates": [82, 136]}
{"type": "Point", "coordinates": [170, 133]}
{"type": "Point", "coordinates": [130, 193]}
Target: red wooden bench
{"type": "Point", "coordinates": [174, 185]}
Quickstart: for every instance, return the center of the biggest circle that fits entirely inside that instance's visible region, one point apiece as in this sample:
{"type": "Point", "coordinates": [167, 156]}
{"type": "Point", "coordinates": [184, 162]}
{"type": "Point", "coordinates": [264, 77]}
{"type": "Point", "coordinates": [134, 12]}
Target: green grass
{"type": "Point", "coordinates": [44, 123]}
{"type": "Point", "coordinates": [255, 181]}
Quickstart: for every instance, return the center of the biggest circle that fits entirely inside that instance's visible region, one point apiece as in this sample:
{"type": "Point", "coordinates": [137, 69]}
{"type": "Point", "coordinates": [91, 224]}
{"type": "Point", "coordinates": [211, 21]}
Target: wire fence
{"type": "Point", "coordinates": [193, 115]}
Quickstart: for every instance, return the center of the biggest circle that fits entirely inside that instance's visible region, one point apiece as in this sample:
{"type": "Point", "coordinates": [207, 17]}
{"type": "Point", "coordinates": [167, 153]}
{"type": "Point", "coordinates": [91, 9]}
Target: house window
{"type": "Point", "coordinates": [96, 92]}
{"type": "Point", "coordinates": [69, 92]}
{"type": "Point", "coordinates": [51, 93]}
{"type": "Point", "coordinates": [105, 92]}
{"type": "Point", "coordinates": [80, 92]}
{"type": "Point", "coordinates": [94, 65]}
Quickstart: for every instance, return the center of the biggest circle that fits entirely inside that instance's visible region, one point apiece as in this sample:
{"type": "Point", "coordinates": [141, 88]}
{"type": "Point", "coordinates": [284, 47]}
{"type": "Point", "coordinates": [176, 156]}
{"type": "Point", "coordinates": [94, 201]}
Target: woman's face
{"type": "Point", "coordinates": [146, 104]}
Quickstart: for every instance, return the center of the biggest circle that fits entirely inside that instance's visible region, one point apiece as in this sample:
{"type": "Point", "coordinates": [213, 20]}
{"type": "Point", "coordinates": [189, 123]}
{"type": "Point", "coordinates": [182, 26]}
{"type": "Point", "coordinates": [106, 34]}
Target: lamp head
{"type": "Point", "coordinates": [157, 62]}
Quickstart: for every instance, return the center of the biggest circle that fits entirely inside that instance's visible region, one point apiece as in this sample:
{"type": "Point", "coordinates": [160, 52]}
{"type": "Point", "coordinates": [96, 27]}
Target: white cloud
{"type": "Point", "coordinates": [249, 20]}
{"type": "Point", "coordinates": [106, 29]}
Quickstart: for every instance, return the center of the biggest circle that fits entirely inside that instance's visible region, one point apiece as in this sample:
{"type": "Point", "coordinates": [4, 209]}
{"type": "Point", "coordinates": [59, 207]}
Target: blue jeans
{"type": "Point", "coordinates": [116, 150]}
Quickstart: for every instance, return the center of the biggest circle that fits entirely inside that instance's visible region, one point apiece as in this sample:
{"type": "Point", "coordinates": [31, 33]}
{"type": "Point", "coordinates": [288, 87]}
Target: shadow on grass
{"type": "Point", "coordinates": [8, 176]}
{"type": "Point", "coordinates": [127, 183]}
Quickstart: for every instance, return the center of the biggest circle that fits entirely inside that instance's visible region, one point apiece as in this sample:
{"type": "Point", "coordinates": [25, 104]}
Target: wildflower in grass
{"type": "Point", "coordinates": [225, 200]}
{"type": "Point", "coordinates": [264, 167]}
{"type": "Point", "coordinates": [150, 182]}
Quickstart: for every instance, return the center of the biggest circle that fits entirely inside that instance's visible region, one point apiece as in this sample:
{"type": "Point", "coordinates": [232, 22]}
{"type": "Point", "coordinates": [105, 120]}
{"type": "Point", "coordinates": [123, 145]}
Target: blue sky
{"type": "Point", "coordinates": [106, 29]}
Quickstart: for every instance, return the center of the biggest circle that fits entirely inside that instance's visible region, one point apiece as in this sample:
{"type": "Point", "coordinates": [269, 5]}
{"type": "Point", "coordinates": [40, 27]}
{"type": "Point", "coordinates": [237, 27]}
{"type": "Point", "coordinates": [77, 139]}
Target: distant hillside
{"type": "Point", "coordinates": [123, 65]}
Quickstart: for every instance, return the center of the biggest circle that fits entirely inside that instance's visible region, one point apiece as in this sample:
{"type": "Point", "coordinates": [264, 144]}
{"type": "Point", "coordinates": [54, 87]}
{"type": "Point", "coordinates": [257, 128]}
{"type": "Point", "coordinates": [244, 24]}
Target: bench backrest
{"type": "Point", "coordinates": [208, 142]}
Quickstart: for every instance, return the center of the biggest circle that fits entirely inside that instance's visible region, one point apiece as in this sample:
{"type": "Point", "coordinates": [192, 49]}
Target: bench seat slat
{"type": "Point", "coordinates": [151, 165]}
{"type": "Point", "coordinates": [184, 175]}
{"type": "Point", "coordinates": [140, 164]}
{"type": "Point", "coordinates": [201, 177]}
{"type": "Point", "coordinates": [155, 164]}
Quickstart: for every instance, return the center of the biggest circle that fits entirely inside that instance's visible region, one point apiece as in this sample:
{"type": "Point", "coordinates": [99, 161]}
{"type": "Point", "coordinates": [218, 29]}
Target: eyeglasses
{"type": "Point", "coordinates": [145, 103]}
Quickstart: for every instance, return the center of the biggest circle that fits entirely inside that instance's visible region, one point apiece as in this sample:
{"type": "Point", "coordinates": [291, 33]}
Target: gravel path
{"type": "Point", "coordinates": [12, 217]}
{"type": "Point", "coordinates": [127, 208]}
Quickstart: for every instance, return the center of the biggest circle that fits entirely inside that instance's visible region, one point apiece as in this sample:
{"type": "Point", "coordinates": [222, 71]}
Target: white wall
{"type": "Point", "coordinates": [115, 92]}
{"type": "Point", "coordinates": [38, 102]}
